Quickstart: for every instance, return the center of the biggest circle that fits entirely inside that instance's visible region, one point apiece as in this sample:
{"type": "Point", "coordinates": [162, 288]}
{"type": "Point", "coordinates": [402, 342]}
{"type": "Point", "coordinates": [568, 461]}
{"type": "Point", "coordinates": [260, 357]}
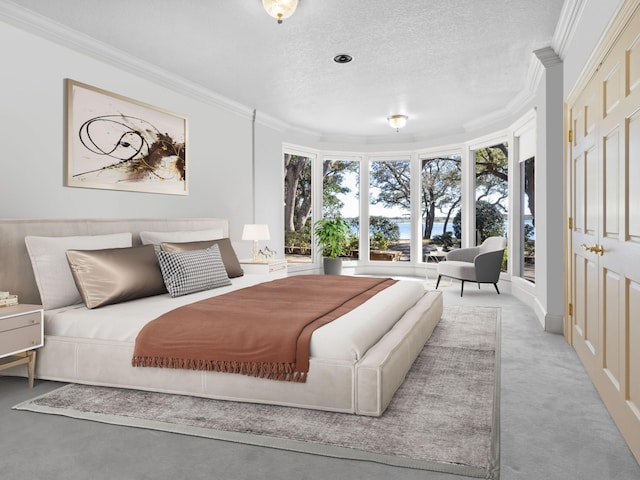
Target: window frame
{"type": "Point", "coordinates": [417, 266]}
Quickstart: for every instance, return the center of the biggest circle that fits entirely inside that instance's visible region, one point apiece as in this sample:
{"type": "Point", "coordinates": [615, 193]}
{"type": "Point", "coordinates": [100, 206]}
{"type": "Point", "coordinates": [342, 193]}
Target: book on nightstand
{"type": "Point", "coordinates": [6, 299]}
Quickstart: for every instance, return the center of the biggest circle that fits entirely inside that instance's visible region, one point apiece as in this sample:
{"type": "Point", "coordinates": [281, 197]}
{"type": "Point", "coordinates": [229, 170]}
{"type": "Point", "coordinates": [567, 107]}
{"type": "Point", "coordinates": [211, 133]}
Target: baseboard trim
{"type": "Point", "coordinates": [554, 323]}
{"type": "Point", "coordinates": [526, 292]}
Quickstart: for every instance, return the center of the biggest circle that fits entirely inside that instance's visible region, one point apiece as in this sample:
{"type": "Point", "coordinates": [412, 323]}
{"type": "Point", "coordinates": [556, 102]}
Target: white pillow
{"type": "Point", "coordinates": [156, 238]}
{"type": "Point", "coordinates": [51, 268]}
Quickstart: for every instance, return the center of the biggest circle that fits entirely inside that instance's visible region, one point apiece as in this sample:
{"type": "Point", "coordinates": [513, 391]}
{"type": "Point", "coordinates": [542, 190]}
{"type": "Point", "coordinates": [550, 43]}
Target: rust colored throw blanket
{"type": "Point", "coordinates": [262, 331]}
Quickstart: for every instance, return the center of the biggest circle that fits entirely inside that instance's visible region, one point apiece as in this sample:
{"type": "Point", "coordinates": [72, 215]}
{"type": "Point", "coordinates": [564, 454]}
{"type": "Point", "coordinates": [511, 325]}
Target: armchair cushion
{"type": "Point", "coordinates": [463, 254]}
{"type": "Point", "coordinates": [460, 270]}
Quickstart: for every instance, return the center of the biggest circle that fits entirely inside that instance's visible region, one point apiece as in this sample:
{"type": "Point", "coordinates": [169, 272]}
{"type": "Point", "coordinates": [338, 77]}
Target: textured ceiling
{"type": "Point", "coordinates": [444, 63]}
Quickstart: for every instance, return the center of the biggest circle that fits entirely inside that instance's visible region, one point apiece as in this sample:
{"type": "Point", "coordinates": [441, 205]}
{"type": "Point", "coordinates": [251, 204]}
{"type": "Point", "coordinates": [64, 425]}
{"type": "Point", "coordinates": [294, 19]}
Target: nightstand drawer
{"type": "Point", "coordinates": [18, 321]}
{"type": "Point", "coordinates": [273, 266]}
{"type": "Point", "coordinates": [19, 339]}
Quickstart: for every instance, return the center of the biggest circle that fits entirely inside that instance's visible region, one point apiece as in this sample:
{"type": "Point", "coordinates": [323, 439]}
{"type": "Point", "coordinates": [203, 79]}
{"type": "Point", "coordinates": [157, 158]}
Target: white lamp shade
{"type": "Point", "coordinates": [256, 232]}
{"type": "Point", "coordinates": [280, 9]}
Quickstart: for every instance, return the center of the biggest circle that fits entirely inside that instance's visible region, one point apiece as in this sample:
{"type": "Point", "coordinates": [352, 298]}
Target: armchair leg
{"type": "Point", "coordinates": [462, 287]}
{"type": "Point", "coordinates": [438, 282]}
{"type": "Point", "coordinates": [496, 285]}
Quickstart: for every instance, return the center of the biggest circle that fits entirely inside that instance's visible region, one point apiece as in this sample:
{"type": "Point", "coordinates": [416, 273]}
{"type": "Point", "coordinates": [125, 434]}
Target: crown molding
{"type": "Point", "coordinates": [541, 58]}
{"type": "Point", "coordinates": [44, 27]}
{"type": "Point", "coordinates": [567, 23]}
{"type": "Point", "coordinates": [621, 17]}
{"type": "Point", "coordinates": [548, 57]}
{"type": "Point", "coordinates": [48, 29]}
{"type": "Point", "coordinates": [282, 126]}
{"type": "Point", "coordinates": [486, 120]}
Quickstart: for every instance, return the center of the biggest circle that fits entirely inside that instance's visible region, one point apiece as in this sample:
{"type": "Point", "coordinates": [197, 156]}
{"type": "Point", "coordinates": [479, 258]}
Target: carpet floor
{"type": "Point", "coordinates": [444, 417]}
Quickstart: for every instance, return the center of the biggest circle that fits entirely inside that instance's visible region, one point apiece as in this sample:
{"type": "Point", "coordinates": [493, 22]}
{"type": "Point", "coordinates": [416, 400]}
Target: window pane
{"type": "Point", "coordinates": [297, 209]}
{"type": "Point", "coordinates": [492, 193]}
{"type": "Point", "coordinates": [528, 220]}
{"type": "Point", "coordinates": [340, 199]}
{"type": "Point", "coordinates": [390, 210]}
{"type": "Point", "coordinates": [441, 199]}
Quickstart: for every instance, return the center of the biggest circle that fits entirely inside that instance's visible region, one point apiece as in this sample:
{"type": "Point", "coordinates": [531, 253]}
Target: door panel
{"type": "Point", "coordinates": [585, 214]}
{"type": "Point", "coordinates": [592, 330]}
{"type": "Point", "coordinates": [592, 175]}
{"type": "Point", "coordinates": [580, 297]}
{"type": "Point", "coordinates": [612, 184]}
{"type": "Point", "coordinates": [633, 199]}
{"type": "Point", "coordinates": [633, 360]}
{"type": "Point", "coordinates": [579, 195]}
{"type": "Point", "coordinates": [633, 65]}
{"type": "Point", "coordinates": [613, 333]}
{"type": "Point", "coordinates": [612, 89]}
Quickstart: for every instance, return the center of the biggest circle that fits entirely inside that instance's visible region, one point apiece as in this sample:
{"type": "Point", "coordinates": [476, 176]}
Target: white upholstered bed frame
{"type": "Point", "coordinates": [363, 387]}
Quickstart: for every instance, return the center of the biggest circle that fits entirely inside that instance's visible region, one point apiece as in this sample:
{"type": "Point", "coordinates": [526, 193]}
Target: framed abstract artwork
{"type": "Point", "coordinates": [116, 143]}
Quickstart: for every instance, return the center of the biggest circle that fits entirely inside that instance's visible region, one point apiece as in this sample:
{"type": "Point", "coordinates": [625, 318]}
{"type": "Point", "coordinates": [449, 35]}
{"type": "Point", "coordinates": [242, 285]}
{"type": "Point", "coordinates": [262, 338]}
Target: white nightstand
{"type": "Point", "coordinates": [21, 332]}
{"type": "Point", "coordinates": [272, 266]}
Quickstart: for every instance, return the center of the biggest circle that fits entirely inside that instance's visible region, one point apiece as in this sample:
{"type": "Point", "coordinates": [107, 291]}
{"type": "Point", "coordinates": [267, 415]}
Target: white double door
{"type": "Point", "coordinates": [604, 205]}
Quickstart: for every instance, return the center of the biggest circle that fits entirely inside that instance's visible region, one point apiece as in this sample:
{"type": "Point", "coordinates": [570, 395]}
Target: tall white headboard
{"type": "Point", "coordinates": [16, 274]}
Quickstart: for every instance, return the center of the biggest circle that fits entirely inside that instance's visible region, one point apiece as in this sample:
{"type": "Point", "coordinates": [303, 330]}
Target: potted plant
{"type": "Point", "coordinates": [333, 238]}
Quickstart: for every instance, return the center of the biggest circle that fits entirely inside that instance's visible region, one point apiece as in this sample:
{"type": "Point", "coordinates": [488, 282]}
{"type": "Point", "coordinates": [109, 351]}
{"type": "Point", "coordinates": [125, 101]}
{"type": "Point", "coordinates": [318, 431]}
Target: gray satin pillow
{"type": "Point", "coordinates": [115, 275]}
{"type": "Point", "coordinates": [229, 257]}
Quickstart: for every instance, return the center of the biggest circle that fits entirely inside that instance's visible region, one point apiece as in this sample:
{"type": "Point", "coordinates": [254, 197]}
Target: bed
{"type": "Point", "coordinates": [357, 374]}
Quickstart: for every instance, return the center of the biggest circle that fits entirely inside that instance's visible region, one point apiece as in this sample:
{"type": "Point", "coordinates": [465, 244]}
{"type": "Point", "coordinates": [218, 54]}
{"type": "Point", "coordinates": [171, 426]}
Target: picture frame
{"type": "Point", "coordinates": [117, 143]}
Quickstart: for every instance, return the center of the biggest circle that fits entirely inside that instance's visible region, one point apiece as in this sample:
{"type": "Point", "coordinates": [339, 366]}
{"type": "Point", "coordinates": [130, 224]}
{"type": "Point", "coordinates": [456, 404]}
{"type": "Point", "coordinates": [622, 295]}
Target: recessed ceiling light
{"type": "Point", "coordinates": [342, 58]}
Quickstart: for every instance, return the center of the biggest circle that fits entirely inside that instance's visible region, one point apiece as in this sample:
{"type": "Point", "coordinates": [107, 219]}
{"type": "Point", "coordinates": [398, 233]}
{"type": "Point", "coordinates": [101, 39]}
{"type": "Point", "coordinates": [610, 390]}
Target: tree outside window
{"type": "Point", "coordinates": [528, 219]}
{"type": "Point", "coordinates": [390, 202]}
{"type": "Point", "coordinates": [340, 199]}
{"type": "Point", "coordinates": [297, 208]}
{"type": "Point", "coordinates": [492, 194]}
{"type": "Point", "coordinates": [441, 198]}
{"type": "Point", "coordinates": [390, 210]}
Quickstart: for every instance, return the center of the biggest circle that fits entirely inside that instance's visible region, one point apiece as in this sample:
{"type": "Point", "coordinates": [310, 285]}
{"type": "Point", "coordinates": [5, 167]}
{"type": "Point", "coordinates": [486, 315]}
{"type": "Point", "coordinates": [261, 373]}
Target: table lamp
{"type": "Point", "coordinates": [255, 232]}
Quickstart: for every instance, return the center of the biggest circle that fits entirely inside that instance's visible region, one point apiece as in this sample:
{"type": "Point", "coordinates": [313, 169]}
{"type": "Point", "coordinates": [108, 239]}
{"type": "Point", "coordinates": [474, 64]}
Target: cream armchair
{"type": "Point", "coordinates": [476, 264]}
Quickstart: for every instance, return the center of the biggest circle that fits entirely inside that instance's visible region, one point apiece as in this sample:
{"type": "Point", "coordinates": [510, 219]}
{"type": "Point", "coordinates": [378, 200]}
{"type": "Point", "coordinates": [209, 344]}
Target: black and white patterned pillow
{"type": "Point", "coordinates": [192, 271]}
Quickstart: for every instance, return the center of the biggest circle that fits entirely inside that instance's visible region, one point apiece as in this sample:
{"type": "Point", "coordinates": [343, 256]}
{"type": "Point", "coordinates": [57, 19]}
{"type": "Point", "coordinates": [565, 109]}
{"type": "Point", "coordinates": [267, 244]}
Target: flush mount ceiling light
{"type": "Point", "coordinates": [280, 9]}
{"type": "Point", "coordinates": [397, 121]}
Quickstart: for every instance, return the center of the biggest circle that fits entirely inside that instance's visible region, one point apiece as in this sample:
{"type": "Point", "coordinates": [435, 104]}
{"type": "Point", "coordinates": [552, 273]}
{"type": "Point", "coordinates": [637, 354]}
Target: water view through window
{"type": "Point", "coordinates": [441, 197]}
{"type": "Point", "coordinates": [389, 203]}
{"type": "Point", "coordinates": [389, 207]}
{"type": "Point", "coordinates": [340, 198]}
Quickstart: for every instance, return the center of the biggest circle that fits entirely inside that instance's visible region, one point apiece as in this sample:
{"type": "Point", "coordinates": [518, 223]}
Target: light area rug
{"type": "Point", "coordinates": [444, 417]}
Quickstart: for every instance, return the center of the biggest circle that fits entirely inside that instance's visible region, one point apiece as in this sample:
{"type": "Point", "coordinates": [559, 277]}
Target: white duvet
{"type": "Point", "coordinates": [347, 337]}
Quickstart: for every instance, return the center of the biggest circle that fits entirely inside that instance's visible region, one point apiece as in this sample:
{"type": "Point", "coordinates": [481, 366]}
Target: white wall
{"type": "Point", "coordinates": [32, 119]}
{"type": "Point", "coordinates": [549, 288]}
{"type": "Point", "coordinates": [595, 17]}
{"type": "Point", "coordinates": [269, 192]}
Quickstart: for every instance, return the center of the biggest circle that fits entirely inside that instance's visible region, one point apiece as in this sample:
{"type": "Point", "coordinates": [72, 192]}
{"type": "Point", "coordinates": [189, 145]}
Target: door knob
{"type": "Point", "coordinates": [597, 249]}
